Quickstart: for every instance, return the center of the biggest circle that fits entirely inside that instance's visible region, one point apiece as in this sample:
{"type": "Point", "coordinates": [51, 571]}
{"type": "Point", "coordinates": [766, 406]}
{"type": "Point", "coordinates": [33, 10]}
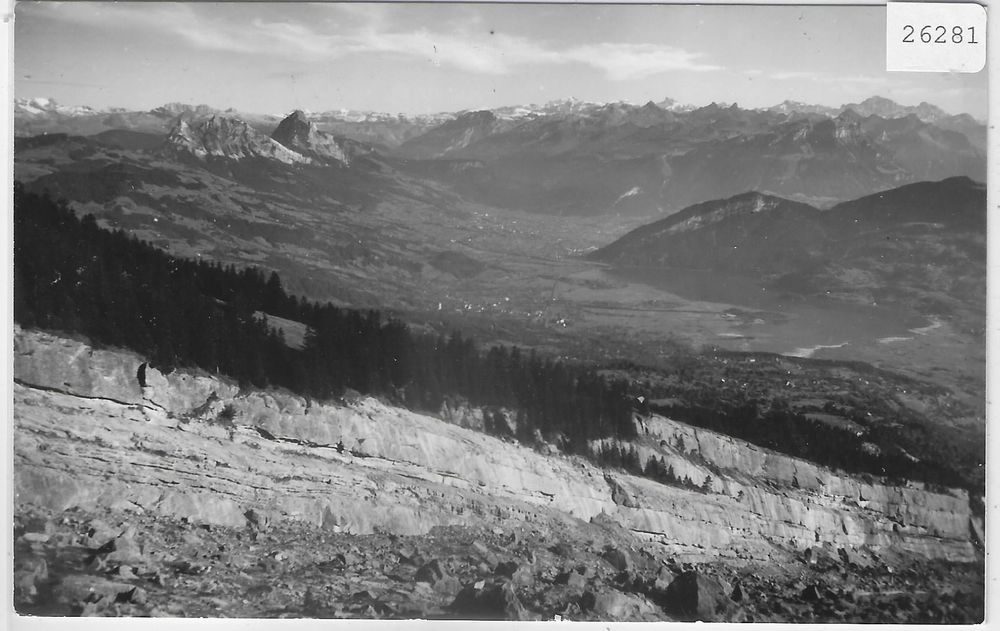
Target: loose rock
{"type": "Point", "coordinates": [490, 602]}
{"type": "Point", "coordinates": [695, 596]}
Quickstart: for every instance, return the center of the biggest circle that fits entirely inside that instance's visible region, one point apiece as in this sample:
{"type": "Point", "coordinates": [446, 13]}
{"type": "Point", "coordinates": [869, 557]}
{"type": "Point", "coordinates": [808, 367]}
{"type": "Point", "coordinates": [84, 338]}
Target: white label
{"type": "Point", "coordinates": [935, 37]}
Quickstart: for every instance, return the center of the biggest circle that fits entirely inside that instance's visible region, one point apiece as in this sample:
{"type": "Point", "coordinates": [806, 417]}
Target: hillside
{"type": "Point", "coordinates": [264, 368]}
{"type": "Point", "coordinates": [920, 245]}
{"type": "Point", "coordinates": [361, 232]}
{"type": "Point", "coordinates": [74, 276]}
{"type": "Point", "coordinates": [191, 493]}
{"type": "Point", "coordinates": [750, 232]}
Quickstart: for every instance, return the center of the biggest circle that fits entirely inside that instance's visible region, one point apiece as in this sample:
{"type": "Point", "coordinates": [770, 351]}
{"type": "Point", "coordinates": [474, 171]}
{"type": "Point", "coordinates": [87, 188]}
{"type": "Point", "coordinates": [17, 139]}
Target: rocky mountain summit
{"type": "Point", "coordinates": [299, 134]}
{"type": "Point", "coordinates": [185, 495]}
{"type": "Point", "coordinates": [872, 106]}
{"type": "Point", "coordinates": [296, 140]}
{"type": "Point", "coordinates": [230, 138]}
{"type": "Point", "coordinates": [183, 110]}
{"type": "Point", "coordinates": [887, 108]}
{"type": "Point", "coordinates": [580, 158]}
{"type": "Point", "coordinates": [42, 106]}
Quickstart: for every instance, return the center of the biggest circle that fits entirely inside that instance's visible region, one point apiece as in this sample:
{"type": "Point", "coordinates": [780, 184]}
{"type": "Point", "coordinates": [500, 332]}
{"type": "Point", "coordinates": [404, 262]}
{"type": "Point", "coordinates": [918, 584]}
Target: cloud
{"type": "Point", "coordinates": [364, 30]}
{"type": "Point", "coordinates": [863, 81]}
{"type": "Point", "coordinates": [793, 76]}
{"type": "Point", "coordinates": [622, 61]}
{"type": "Point", "coordinates": [859, 80]}
{"type": "Point", "coordinates": [498, 56]}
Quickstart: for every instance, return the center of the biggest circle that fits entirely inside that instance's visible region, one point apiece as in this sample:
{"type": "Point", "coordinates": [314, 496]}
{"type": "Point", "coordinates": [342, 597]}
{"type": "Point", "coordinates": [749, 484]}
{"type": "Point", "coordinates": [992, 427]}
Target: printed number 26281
{"type": "Point", "coordinates": [939, 35]}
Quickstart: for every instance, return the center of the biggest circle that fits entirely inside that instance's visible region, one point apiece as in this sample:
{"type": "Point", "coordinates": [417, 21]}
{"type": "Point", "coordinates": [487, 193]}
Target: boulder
{"type": "Point", "coordinates": [695, 596]}
{"type": "Point", "coordinates": [737, 594]}
{"type": "Point", "coordinates": [612, 527]}
{"type": "Point", "coordinates": [92, 594]}
{"type": "Point", "coordinates": [664, 577]}
{"type": "Point", "coordinates": [408, 555]}
{"type": "Point", "coordinates": [98, 532]}
{"type": "Point", "coordinates": [127, 549]}
{"type": "Point", "coordinates": [490, 601]}
{"type": "Point", "coordinates": [616, 606]}
{"type": "Point", "coordinates": [619, 495]}
{"type": "Point", "coordinates": [484, 553]}
{"type": "Point", "coordinates": [824, 557]}
{"type": "Point", "coordinates": [572, 579]}
{"type": "Point", "coordinates": [430, 572]}
{"type": "Point", "coordinates": [35, 537]}
{"type": "Point", "coordinates": [336, 562]}
{"type": "Point", "coordinates": [618, 558]}
{"type": "Point", "coordinates": [364, 604]}
{"type": "Point", "coordinates": [811, 593]}
{"type": "Point", "coordinates": [29, 574]}
{"type": "Point", "coordinates": [314, 604]}
{"type": "Point", "coordinates": [852, 557]}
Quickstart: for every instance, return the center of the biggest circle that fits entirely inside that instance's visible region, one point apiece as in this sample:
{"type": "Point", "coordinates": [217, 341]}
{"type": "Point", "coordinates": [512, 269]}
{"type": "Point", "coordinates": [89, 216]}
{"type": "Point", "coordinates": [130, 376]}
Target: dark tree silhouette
{"type": "Point", "coordinates": [72, 275]}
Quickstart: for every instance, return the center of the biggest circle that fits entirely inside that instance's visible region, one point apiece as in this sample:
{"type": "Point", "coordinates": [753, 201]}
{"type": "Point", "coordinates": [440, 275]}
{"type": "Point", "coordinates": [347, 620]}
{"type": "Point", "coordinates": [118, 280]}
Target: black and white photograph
{"type": "Point", "coordinates": [497, 312]}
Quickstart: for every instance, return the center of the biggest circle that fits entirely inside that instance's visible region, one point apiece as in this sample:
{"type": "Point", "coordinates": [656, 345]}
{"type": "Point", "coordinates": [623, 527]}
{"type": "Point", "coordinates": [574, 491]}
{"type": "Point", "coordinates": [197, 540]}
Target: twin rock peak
{"type": "Point", "coordinates": [296, 140]}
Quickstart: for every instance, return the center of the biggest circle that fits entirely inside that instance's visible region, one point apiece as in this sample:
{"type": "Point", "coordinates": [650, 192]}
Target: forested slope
{"type": "Point", "coordinates": [72, 275]}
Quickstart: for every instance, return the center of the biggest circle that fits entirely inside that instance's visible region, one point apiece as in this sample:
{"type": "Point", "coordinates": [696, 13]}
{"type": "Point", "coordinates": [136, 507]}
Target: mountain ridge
{"type": "Point", "coordinates": [946, 202]}
{"type": "Point", "coordinates": [921, 246]}
{"type": "Point", "coordinates": [297, 133]}
{"type": "Point", "coordinates": [37, 107]}
{"type": "Point", "coordinates": [228, 137]}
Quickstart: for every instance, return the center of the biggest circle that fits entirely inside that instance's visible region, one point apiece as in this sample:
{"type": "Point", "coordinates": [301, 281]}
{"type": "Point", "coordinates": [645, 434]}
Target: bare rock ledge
{"type": "Point", "coordinates": [87, 435]}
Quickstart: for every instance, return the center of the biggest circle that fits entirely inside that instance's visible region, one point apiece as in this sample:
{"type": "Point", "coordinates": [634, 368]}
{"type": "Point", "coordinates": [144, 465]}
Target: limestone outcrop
{"type": "Point", "coordinates": [193, 445]}
{"type": "Point", "coordinates": [228, 137]}
{"type": "Point", "coordinates": [297, 133]}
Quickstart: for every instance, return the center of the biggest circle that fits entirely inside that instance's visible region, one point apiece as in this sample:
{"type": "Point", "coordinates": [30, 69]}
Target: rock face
{"type": "Point", "coordinates": [192, 446]}
{"type": "Point", "coordinates": [296, 132]}
{"type": "Point", "coordinates": [222, 136]}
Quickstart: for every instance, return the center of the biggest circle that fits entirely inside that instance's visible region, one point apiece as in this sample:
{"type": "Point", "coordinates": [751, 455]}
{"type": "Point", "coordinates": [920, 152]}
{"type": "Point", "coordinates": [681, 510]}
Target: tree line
{"type": "Point", "coordinates": [72, 275]}
{"type": "Point", "coordinates": [779, 427]}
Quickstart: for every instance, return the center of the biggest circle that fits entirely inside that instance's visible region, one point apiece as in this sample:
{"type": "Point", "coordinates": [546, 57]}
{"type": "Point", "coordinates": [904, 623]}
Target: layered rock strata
{"type": "Point", "coordinates": [188, 444]}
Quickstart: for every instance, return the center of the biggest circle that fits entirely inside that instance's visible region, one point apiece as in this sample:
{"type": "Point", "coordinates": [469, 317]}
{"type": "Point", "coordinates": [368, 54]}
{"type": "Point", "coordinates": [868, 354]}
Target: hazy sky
{"type": "Point", "coordinates": [417, 58]}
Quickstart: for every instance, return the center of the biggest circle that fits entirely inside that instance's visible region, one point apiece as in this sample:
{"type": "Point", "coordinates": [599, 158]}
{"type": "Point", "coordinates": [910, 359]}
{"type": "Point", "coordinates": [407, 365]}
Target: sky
{"type": "Point", "coordinates": [423, 58]}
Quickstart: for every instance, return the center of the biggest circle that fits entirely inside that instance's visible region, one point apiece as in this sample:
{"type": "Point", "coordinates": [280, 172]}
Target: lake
{"type": "Point", "coordinates": [783, 322]}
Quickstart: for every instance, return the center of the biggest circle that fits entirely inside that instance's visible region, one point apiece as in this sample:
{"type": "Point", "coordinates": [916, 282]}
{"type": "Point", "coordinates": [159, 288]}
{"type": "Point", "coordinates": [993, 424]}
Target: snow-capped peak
{"type": "Point", "coordinates": [41, 105]}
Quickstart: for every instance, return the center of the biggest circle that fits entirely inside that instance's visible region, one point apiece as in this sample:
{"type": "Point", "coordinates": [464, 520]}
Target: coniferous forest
{"type": "Point", "coordinates": [72, 275]}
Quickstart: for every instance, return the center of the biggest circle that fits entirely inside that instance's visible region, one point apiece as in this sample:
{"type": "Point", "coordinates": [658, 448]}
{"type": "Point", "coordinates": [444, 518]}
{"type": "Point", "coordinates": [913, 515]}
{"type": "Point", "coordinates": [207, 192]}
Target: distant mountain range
{"type": "Point", "coordinates": [189, 168]}
{"type": "Point", "coordinates": [872, 106]}
{"type": "Point", "coordinates": [42, 110]}
{"type": "Point", "coordinates": [45, 116]}
{"type": "Point", "coordinates": [647, 160]}
{"type": "Point", "coordinates": [579, 158]}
